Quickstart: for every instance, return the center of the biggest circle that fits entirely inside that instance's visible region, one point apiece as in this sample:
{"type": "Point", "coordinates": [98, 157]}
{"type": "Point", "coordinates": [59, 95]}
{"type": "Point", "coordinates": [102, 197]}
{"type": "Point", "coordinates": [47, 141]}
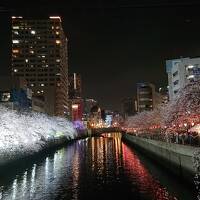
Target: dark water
{"type": "Point", "coordinates": [95, 168]}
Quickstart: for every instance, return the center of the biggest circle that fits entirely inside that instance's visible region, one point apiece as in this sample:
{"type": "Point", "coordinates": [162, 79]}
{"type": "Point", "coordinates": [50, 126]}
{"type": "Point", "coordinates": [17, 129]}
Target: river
{"type": "Point", "coordinates": [92, 168]}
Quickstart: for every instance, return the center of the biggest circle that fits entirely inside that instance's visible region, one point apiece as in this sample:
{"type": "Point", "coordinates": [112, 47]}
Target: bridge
{"type": "Point", "coordinates": [99, 131]}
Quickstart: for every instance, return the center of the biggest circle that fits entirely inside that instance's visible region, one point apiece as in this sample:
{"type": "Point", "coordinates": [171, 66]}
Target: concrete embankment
{"type": "Point", "coordinates": [177, 158]}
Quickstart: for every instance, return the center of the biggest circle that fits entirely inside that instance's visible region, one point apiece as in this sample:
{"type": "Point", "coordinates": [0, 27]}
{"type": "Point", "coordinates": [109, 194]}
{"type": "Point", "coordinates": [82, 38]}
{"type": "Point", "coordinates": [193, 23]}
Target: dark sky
{"type": "Point", "coordinates": [116, 43]}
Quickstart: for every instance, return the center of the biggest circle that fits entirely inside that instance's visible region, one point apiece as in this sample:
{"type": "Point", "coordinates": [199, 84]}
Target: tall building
{"type": "Point", "coordinates": [145, 97]}
{"type": "Point", "coordinates": [75, 86]}
{"type": "Point", "coordinates": [39, 54]}
{"type": "Point", "coordinates": [181, 72]}
{"type": "Point", "coordinates": [75, 97]}
{"type": "Point", "coordinates": [129, 107]}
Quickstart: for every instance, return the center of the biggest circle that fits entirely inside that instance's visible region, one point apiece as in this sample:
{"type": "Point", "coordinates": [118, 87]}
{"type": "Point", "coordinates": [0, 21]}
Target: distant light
{"type": "Point", "coordinates": [58, 41]}
{"type": "Point", "coordinates": [16, 32]}
{"type": "Point", "coordinates": [191, 76]}
{"type": "Point", "coordinates": [15, 70]}
{"type": "Point", "coordinates": [75, 106]}
{"type": "Point", "coordinates": [15, 27]}
{"type": "Point", "coordinates": [190, 66]}
{"type": "Point", "coordinates": [15, 51]}
{"type": "Point", "coordinates": [17, 17]}
{"type": "Point", "coordinates": [15, 41]}
{"type": "Point", "coordinates": [55, 17]}
{"type": "Point", "coordinates": [33, 32]}
{"type": "Point", "coordinates": [185, 124]}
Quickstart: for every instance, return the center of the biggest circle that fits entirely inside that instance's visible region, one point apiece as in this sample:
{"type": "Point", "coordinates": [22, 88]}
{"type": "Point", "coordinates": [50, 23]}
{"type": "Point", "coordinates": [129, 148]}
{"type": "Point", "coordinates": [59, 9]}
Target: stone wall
{"type": "Point", "coordinates": [175, 157]}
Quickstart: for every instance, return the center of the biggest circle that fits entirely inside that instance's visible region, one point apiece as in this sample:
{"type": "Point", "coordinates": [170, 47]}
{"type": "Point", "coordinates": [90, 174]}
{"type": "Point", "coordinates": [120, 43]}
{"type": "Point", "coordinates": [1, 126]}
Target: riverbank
{"type": "Point", "coordinates": [53, 144]}
{"type": "Point", "coordinates": [174, 157]}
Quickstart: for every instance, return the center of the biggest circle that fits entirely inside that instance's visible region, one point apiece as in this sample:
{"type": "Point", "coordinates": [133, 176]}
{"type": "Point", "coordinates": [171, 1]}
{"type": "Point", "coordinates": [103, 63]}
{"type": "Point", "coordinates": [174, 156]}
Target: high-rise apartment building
{"type": "Point", "coordinates": [39, 54]}
{"type": "Point", "coordinates": [145, 97]}
{"type": "Point", "coordinates": [181, 72]}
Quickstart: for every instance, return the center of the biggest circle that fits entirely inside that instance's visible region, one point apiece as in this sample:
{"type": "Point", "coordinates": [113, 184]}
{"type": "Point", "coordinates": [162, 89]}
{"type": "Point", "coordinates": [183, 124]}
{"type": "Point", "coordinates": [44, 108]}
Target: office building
{"type": "Point", "coordinates": [145, 97]}
{"type": "Point", "coordinates": [39, 54]}
{"type": "Point", "coordinates": [181, 72]}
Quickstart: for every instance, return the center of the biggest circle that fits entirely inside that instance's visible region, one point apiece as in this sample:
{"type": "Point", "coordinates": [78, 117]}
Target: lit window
{"type": "Point", "coordinates": [31, 51]}
{"type": "Point", "coordinates": [15, 41]}
{"type": "Point", "coordinates": [38, 92]}
{"type": "Point", "coordinates": [42, 84]}
{"type": "Point", "coordinates": [32, 85]}
{"type": "Point", "coordinates": [16, 32]}
{"type": "Point", "coordinates": [190, 77]}
{"type": "Point", "coordinates": [57, 33]}
{"type": "Point", "coordinates": [15, 70]}
{"type": "Point", "coordinates": [15, 51]}
{"type": "Point", "coordinates": [43, 56]}
{"type": "Point", "coordinates": [57, 60]}
{"type": "Point", "coordinates": [55, 17]}
{"type": "Point", "coordinates": [42, 91]}
{"type": "Point", "coordinates": [33, 32]}
{"type": "Point", "coordinates": [52, 27]}
{"type": "Point", "coordinates": [15, 27]}
{"type": "Point", "coordinates": [190, 66]}
{"type": "Point", "coordinates": [26, 60]}
{"type": "Point", "coordinates": [17, 17]}
{"type": "Point", "coordinates": [58, 74]}
{"type": "Point", "coordinates": [58, 42]}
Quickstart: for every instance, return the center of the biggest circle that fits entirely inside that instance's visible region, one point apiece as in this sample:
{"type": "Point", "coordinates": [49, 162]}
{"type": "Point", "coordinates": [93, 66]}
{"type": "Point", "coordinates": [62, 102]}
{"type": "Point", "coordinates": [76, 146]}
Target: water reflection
{"type": "Point", "coordinates": [95, 168]}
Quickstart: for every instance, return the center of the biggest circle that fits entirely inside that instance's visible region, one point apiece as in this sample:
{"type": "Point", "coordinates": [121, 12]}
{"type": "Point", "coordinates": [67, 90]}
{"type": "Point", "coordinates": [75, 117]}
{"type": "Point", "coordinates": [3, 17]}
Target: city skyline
{"type": "Point", "coordinates": [107, 43]}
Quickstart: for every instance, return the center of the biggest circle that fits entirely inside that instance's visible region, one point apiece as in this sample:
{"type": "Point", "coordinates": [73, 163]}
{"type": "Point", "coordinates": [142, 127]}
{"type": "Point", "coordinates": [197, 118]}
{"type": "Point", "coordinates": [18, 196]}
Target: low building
{"type": "Point", "coordinates": [14, 93]}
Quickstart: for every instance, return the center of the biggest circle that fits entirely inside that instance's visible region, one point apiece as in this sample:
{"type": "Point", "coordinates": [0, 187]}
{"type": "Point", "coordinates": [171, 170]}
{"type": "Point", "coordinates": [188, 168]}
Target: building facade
{"type": "Point", "coordinates": [145, 97]}
{"type": "Point", "coordinates": [181, 72]}
{"type": "Point", "coordinates": [39, 54]}
{"type": "Point", "coordinates": [129, 107]}
{"type": "Point", "coordinates": [75, 86]}
{"type": "Point", "coordinates": [15, 94]}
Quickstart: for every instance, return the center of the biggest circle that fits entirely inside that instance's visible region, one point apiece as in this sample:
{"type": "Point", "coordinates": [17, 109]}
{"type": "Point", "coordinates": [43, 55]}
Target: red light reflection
{"type": "Point", "coordinates": [145, 182]}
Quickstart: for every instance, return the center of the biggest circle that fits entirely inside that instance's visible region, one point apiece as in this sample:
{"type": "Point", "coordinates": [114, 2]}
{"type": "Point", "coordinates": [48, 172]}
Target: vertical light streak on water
{"type": "Point", "coordinates": [75, 173]}
{"type": "Point", "coordinates": [24, 184]}
{"type": "Point", "coordinates": [46, 173]}
{"type": "Point", "coordinates": [1, 192]}
{"type": "Point", "coordinates": [14, 189]}
{"type": "Point", "coordinates": [32, 186]}
{"type": "Point", "coordinates": [93, 152]}
{"type": "Point", "coordinates": [55, 161]}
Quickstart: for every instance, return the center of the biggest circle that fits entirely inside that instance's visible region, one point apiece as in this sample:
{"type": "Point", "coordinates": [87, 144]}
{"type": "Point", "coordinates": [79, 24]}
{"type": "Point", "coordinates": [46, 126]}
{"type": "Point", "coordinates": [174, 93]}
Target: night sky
{"type": "Point", "coordinates": [115, 43]}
